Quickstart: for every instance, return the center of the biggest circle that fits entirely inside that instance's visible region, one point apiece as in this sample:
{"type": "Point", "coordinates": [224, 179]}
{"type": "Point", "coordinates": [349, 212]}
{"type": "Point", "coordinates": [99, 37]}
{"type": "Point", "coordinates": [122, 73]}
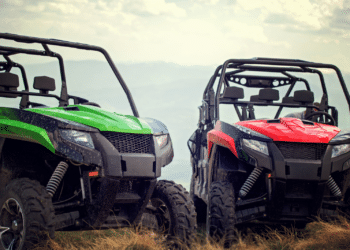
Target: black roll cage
{"type": "Point", "coordinates": [282, 66]}
{"type": "Point", "coordinates": [6, 52]}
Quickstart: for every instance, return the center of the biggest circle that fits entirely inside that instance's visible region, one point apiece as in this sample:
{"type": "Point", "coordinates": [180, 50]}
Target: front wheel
{"type": "Point", "coordinates": [221, 212]}
{"type": "Point", "coordinates": [26, 215]}
{"type": "Point", "coordinates": [174, 211]}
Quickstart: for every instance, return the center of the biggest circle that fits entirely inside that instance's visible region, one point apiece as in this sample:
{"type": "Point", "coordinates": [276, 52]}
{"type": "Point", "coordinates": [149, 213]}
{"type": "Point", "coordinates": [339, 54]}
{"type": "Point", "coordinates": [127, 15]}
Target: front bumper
{"type": "Point", "coordinates": [297, 189]}
{"type": "Point", "coordinates": [116, 164]}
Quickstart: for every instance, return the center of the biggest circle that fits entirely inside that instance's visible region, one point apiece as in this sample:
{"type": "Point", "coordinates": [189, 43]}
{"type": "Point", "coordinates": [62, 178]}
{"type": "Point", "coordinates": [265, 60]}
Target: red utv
{"type": "Point", "coordinates": [276, 169]}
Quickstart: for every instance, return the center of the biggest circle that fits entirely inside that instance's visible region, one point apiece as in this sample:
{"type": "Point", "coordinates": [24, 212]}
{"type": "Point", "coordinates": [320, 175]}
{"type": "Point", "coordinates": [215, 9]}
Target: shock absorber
{"type": "Point", "coordinates": [333, 186]}
{"type": "Point", "coordinates": [56, 178]}
{"type": "Point", "coordinates": [248, 184]}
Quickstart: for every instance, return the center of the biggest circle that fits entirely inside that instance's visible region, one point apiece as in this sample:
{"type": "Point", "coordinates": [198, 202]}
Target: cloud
{"type": "Point", "coordinates": [341, 17]}
{"type": "Point", "coordinates": [7, 3]}
{"type": "Point", "coordinates": [299, 14]}
{"type": "Point", "coordinates": [197, 32]}
{"type": "Point", "coordinates": [208, 2]}
{"type": "Point", "coordinates": [153, 8]}
{"type": "Point", "coordinates": [242, 30]}
{"type": "Point", "coordinates": [66, 8]}
{"type": "Point", "coordinates": [35, 8]}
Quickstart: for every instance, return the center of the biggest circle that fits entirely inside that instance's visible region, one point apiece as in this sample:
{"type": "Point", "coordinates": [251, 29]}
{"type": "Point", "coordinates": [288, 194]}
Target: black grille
{"type": "Point", "coordinates": [130, 143]}
{"type": "Point", "coordinates": [304, 151]}
{"type": "Point", "coordinates": [125, 186]}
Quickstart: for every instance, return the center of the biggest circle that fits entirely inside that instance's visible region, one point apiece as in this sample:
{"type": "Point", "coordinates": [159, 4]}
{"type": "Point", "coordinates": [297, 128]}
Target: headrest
{"type": "Point", "coordinates": [303, 96]}
{"type": "Point", "coordinates": [8, 82]}
{"type": "Point", "coordinates": [233, 93]}
{"type": "Point", "coordinates": [44, 84]}
{"type": "Point", "coordinates": [255, 98]}
{"type": "Point", "coordinates": [269, 94]}
{"type": "Point", "coordinates": [289, 99]}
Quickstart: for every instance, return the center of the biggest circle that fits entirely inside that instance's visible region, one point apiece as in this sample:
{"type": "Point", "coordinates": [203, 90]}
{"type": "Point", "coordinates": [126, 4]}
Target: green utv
{"type": "Point", "coordinates": [78, 167]}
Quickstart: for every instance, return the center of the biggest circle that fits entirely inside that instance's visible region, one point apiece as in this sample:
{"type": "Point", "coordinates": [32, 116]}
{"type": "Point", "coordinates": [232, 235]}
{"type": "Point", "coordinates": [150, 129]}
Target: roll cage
{"type": "Point", "coordinates": [7, 52]}
{"type": "Point", "coordinates": [209, 111]}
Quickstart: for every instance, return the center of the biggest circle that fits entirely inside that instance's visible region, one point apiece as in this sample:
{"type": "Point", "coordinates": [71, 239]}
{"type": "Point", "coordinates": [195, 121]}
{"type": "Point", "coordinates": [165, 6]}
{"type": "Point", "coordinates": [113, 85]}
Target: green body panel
{"type": "Point", "coordinates": [12, 127]}
{"type": "Point", "coordinates": [23, 131]}
{"type": "Point", "coordinates": [98, 118]}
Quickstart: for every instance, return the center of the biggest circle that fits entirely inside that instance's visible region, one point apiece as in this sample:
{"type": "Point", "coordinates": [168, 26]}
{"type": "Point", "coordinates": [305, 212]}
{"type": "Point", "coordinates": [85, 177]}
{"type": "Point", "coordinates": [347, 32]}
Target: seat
{"type": "Point", "coordinates": [269, 95]}
{"type": "Point", "coordinates": [42, 83]}
{"type": "Point", "coordinates": [233, 93]}
{"type": "Point", "coordinates": [8, 82]}
{"type": "Point", "coordinates": [289, 100]}
{"type": "Point", "coordinates": [255, 98]}
{"type": "Point", "coordinates": [304, 97]}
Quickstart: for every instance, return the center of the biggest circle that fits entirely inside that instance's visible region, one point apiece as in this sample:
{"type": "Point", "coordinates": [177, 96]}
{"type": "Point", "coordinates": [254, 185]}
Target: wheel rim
{"type": "Point", "coordinates": [162, 214]}
{"type": "Point", "coordinates": [11, 225]}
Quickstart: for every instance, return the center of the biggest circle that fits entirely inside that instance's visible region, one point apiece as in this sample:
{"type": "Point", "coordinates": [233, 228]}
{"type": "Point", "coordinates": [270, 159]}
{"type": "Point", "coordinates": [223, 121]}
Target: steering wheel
{"type": "Point", "coordinates": [319, 114]}
{"type": "Point", "coordinates": [91, 103]}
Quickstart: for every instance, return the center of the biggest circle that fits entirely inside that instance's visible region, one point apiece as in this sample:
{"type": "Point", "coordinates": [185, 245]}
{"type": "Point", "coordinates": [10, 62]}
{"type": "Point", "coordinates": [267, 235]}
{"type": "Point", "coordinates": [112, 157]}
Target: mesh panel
{"type": "Point", "coordinates": [129, 143]}
{"type": "Point", "coordinates": [299, 187]}
{"type": "Point", "coordinates": [125, 186]}
{"type": "Point", "coordinates": [305, 151]}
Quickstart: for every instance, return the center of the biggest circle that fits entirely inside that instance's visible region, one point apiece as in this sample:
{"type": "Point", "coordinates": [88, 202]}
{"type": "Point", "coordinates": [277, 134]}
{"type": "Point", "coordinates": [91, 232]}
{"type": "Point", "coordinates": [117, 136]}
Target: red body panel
{"type": "Point", "coordinates": [220, 138]}
{"type": "Point", "coordinates": [293, 130]}
{"type": "Point", "coordinates": [288, 130]}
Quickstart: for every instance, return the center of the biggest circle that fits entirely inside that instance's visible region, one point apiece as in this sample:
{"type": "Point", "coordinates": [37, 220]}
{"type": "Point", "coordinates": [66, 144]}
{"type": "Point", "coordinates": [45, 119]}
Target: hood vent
{"type": "Point", "coordinates": [274, 121]}
{"type": "Point", "coordinates": [307, 122]}
{"type": "Point", "coordinates": [71, 109]}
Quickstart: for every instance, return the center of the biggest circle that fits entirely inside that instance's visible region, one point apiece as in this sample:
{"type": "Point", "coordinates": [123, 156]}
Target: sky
{"type": "Point", "coordinates": [191, 32]}
{"type": "Point", "coordinates": [166, 50]}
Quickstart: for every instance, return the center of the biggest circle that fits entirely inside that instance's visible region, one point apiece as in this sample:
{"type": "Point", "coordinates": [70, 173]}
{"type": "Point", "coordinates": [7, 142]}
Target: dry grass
{"type": "Point", "coordinates": [317, 235]}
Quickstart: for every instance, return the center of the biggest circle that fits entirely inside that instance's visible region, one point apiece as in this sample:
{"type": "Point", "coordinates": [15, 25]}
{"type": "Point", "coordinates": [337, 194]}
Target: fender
{"type": "Point", "coordinates": [33, 127]}
{"type": "Point", "coordinates": [25, 132]}
{"type": "Point", "coordinates": [222, 139]}
{"type": "Point", "coordinates": [217, 136]}
{"type": "Point", "coordinates": [229, 135]}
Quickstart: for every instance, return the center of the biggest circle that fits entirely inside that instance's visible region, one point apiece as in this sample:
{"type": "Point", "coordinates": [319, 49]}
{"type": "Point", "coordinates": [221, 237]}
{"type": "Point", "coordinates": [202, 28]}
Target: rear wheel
{"type": "Point", "coordinates": [174, 211]}
{"type": "Point", "coordinates": [221, 212]}
{"type": "Point", "coordinates": [26, 215]}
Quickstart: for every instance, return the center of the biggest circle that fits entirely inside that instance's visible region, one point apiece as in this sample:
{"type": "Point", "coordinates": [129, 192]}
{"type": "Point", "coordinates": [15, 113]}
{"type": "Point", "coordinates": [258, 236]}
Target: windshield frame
{"type": "Point", "coordinates": [283, 66]}
{"type": "Point", "coordinates": [6, 52]}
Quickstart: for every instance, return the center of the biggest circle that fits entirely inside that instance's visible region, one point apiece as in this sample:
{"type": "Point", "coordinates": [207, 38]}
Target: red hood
{"type": "Point", "coordinates": [293, 130]}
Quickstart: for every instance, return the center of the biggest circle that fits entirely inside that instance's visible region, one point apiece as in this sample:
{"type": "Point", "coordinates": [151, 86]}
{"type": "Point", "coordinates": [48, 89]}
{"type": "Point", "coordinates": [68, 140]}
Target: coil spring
{"type": "Point", "coordinates": [333, 186]}
{"type": "Point", "coordinates": [248, 184]}
{"type": "Point", "coordinates": [56, 178]}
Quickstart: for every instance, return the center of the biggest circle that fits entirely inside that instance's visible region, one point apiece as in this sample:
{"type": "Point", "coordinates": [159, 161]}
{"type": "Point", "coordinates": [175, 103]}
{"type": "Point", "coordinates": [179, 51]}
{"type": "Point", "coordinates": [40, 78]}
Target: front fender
{"type": "Point", "coordinates": [26, 132]}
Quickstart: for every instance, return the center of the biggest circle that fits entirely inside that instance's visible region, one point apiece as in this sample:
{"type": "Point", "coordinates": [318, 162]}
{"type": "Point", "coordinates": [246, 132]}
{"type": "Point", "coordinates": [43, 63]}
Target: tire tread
{"type": "Point", "coordinates": [181, 207]}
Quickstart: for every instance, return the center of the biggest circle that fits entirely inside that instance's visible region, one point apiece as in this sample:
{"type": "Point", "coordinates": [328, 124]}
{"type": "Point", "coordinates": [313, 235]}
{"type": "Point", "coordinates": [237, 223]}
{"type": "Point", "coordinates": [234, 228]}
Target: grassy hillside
{"type": "Point", "coordinates": [317, 235]}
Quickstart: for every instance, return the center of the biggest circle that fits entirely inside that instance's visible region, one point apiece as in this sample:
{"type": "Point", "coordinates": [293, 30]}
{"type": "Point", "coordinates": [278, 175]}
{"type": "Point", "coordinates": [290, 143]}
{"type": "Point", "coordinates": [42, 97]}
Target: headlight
{"type": "Point", "coordinates": [257, 146]}
{"type": "Point", "coordinates": [250, 131]}
{"type": "Point", "coordinates": [78, 137]}
{"type": "Point", "coordinates": [340, 149]}
{"type": "Point", "coordinates": [161, 140]}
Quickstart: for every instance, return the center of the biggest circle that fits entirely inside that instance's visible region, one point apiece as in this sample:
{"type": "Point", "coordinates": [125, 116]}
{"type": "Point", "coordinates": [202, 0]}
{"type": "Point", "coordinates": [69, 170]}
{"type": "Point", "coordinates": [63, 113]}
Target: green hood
{"type": "Point", "coordinates": [97, 118]}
